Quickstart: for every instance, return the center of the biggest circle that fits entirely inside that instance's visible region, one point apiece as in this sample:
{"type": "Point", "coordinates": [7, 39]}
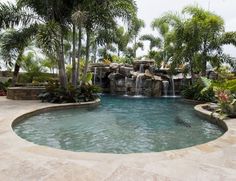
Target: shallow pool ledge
{"type": "Point", "coordinates": [53, 107]}
{"type": "Point", "coordinates": [22, 160]}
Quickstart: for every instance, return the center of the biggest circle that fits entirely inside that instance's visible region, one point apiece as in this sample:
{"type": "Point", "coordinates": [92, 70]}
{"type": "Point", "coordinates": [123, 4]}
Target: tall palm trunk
{"type": "Point", "coordinates": [204, 63]}
{"type": "Point", "coordinates": [95, 53]}
{"type": "Point", "coordinates": [191, 71]}
{"type": "Point", "coordinates": [15, 74]}
{"type": "Point", "coordinates": [79, 54]}
{"type": "Point", "coordinates": [87, 56]}
{"type": "Point", "coordinates": [204, 58]}
{"type": "Point", "coordinates": [74, 74]}
{"type": "Point", "coordinates": [61, 64]}
{"type": "Point", "coordinates": [135, 46]}
{"type": "Point", "coordinates": [16, 69]}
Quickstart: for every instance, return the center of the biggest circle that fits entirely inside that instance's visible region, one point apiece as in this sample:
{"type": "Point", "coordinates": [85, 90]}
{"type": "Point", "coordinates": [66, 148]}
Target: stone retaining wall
{"type": "Point", "coordinates": [24, 93]}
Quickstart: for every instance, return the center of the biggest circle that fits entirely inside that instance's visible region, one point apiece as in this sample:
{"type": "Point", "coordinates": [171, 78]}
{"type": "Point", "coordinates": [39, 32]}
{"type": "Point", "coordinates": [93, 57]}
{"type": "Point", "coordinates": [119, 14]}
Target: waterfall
{"type": "Point", "coordinates": [165, 87]}
{"type": "Point", "coordinates": [138, 84]}
{"type": "Point", "coordinates": [173, 86]}
{"type": "Point", "coordinates": [94, 75]}
{"type": "Point", "coordinates": [126, 86]}
{"type": "Point", "coordinates": [141, 68]}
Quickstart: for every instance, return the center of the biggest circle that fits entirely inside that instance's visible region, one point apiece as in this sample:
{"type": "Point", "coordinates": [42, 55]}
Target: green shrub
{"type": "Point", "coordinates": [226, 85]}
{"type": "Point", "coordinates": [55, 94]}
{"type": "Point", "coordinates": [5, 85]}
{"type": "Point", "coordinates": [201, 90]}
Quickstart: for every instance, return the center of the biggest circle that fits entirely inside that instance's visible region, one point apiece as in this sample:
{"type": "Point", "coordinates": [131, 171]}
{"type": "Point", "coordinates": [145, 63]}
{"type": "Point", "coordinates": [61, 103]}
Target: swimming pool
{"type": "Point", "coordinates": [120, 125]}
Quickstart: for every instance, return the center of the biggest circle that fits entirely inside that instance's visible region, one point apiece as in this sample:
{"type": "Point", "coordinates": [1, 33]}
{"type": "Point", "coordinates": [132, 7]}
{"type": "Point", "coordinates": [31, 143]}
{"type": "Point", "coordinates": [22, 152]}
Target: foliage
{"type": "Point", "coordinates": [4, 86]}
{"type": "Point", "coordinates": [229, 85]}
{"type": "Point", "coordinates": [13, 43]}
{"type": "Point", "coordinates": [201, 90]}
{"type": "Point", "coordinates": [11, 16]}
{"type": "Point", "coordinates": [154, 41]}
{"type": "Point", "coordinates": [122, 39]}
{"type": "Point", "coordinates": [227, 102]}
{"type": "Point", "coordinates": [31, 64]}
{"type": "Point", "coordinates": [196, 36]}
{"type": "Point", "coordinates": [224, 73]}
{"type": "Point", "coordinates": [55, 94]}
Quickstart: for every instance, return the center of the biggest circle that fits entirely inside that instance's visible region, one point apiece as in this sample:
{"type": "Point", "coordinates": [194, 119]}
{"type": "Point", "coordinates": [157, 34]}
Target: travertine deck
{"type": "Point", "coordinates": [22, 160]}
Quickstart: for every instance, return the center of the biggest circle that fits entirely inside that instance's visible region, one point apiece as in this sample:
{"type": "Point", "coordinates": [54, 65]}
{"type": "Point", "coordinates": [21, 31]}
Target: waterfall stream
{"type": "Point", "coordinates": [138, 84]}
{"type": "Point", "coordinates": [165, 87]}
{"type": "Point", "coordinates": [173, 86]}
{"type": "Point", "coordinates": [126, 86]}
{"type": "Point", "coordinates": [94, 75]}
{"type": "Point", "coordinates": [141, 68]}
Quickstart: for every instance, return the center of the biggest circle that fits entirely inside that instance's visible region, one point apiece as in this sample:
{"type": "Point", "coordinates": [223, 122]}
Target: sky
{"type": "Point", "coordinates": [148, 10]}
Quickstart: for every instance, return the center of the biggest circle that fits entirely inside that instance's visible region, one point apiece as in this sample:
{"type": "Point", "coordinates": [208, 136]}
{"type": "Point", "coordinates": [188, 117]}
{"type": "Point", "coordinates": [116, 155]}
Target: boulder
{"type": "Point", "coordinates": [114, 66]}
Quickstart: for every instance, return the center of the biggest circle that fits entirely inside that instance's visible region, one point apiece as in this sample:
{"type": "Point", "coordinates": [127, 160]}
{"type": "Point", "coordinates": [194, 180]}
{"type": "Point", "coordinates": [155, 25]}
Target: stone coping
{"type": "Point", "coordinates": [22, 160]}
{"type": "Point", "coordinates": [27, 88]}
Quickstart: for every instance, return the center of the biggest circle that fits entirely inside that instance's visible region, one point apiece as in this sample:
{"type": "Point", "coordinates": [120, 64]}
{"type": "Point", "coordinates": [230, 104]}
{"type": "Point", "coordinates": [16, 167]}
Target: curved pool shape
{"type": "Point", "coordinates": [121, 125]}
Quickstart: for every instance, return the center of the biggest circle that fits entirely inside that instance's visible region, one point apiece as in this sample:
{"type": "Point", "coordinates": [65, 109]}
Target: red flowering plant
{"type": "Point", "coordinates": [227, 102]}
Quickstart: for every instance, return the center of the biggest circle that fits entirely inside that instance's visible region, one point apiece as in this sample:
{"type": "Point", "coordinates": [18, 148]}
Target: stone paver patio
{"type": "Point", "coordinates": [22, 160]}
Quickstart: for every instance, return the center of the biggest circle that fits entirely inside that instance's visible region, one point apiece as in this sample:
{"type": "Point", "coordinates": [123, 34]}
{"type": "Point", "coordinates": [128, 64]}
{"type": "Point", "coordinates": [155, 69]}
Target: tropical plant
{"type": "Point", "coordinates": [137, 25]}
{"type": "Point", "coordinates": [13, 45]}
{"type": "Point", "coordinates": [122, 39]}
{"type": "Point", "coordinates": [227, 102]}
{"type": "Point", "coordinates": [154, 41]}
{"type": "Point", "coordinates": [201, 90]}
{"type": "Point", "coordinates": [30, 63]}
{"type": "Point", "coordinates": [195, 37]}
{"type": "Point", "coordinates": [55, 94]}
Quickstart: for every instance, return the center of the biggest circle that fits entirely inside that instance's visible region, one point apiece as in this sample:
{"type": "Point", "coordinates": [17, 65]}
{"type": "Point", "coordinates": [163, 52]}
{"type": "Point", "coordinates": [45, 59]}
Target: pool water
{"type": "Point", "coordinates": [121, 125]}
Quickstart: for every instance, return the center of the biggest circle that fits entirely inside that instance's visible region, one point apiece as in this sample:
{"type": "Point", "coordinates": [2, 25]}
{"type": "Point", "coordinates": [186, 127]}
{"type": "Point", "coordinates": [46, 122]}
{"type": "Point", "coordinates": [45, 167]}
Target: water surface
{"type": "Point", "coordinates": [121, 125]}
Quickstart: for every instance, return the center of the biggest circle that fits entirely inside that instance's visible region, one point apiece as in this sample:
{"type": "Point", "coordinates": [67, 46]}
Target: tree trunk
{"type": "Point", "coordinates": [87, 56]}
{"type": "Point", "coordinates": [95, 53]}
{"type": "Point", "coordinates": [135, 46]}
{"type": "Point", "coordinates": [118, 51]}
{"type": "Point", "coordinates": [204, 64]}
{"type": "Point", "coordinates": [16, 69]}
{"type": "Point", "coordinates": [79, 54]}
{"type": "Point", "coordinates": [191, 71]}
{"type": "Point", "coordinates": [61, 64]}
{"type": "Point", "coordinates": [15, 74]}
{"type": "Point", "coordinates": [74, 74]}
{"type": "Point", "coordinates": [204, 59]}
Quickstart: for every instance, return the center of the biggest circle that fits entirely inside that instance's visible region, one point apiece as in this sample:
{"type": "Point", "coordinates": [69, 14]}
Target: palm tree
{"type": "Point", "coordinates": [154, 41]}
{"type": "Point", "coordinates": [11, 16]}
{"type": "Point", "coordinates": [13, 44]}
{"type": "Point", "coordinates": [102, 15]}
{"type": "Point", "coordinates": [197, 39]}
{"type": "Point", "coordinates": [137, 25]}
{"type": "Point", "coordinates": [122, 39]}
{"type": "Point", "coordinates": [58, 13]}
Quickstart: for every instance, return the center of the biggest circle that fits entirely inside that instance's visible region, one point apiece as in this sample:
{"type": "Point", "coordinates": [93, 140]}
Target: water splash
{"type": "Point", "coordinates": [165, 87]}
{"type": "Point", "coordinates": [126, 86]}
{"type": "Point", "coordinates": [94, 75]}
{"type": "Point", "coordinates": [173, 86]}
{"type": "Point", "coordinates": [138, 84]}
{"type": "Point", "coordinates": [141, 68]}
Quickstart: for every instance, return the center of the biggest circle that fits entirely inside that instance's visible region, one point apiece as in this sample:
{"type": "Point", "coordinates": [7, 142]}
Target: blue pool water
{"type": "Point", "coordinates": [121, 125]}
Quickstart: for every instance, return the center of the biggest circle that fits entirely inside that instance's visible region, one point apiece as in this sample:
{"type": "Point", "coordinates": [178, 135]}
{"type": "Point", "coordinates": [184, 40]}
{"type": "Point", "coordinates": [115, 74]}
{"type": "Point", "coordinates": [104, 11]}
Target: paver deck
{"type": "Point", "coordinates": [22, 160]}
